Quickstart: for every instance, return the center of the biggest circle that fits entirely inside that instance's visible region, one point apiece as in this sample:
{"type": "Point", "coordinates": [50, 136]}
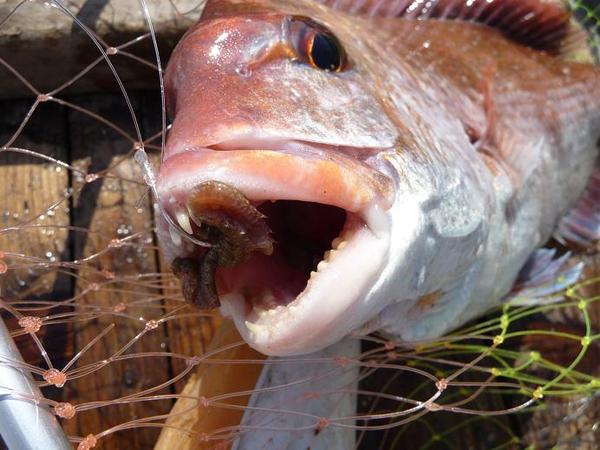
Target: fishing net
{"type": "Point", "coordinates": [587, 13]}
{"type": "Point", "coordinates": [99, 319]}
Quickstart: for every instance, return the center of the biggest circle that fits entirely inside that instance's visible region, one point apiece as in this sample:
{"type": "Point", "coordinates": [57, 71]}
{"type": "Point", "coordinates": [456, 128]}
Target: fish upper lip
{"type": "Point", "coordinates": [369, 183]}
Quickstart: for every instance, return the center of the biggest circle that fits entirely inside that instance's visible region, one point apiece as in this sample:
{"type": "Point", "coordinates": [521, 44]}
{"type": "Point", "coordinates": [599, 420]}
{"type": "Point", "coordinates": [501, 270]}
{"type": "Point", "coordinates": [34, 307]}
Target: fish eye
{"type": "Point", "coordinates": [317, 45]}
{"type": "Point", "coordinates": [325, 53]}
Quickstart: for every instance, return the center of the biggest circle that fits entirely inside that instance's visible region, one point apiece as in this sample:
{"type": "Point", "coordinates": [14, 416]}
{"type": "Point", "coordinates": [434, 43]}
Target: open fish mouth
{"type": "Point", "coordinates": [298, 232]}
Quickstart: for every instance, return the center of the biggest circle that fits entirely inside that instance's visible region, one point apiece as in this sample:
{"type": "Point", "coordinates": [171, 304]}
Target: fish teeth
{"type": "Point", "coordinates": [184, 222]}
{"type": "Point", "coordinates": [329, 255]}
{"type": "Point", "coordinates": [322, 265]}
{"type": "Point", "coordinates": [339, 243]}
{"type": "Point", "coordinates": [253, 327]}
{"type": "Point", "coordinates": [175, 237]}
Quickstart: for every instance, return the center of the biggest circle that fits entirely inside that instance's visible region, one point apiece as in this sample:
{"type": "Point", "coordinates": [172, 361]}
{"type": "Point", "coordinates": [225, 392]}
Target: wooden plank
{"type": "Point", "coordinates": [29, 186]}
{"type": "Point", "coordinates": [109, 208]}
{"type": "Point", "coordinates": [36, 35]}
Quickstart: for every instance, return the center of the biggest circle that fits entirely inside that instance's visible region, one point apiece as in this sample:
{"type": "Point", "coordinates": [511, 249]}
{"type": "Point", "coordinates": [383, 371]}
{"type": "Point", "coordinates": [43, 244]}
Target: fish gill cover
{"type": "Point", "coordinates": [100, 321]}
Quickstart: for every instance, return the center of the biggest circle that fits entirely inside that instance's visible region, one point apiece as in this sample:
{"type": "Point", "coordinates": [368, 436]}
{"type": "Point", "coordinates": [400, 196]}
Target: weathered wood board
{"type": "Point", "coordinates": [36, 35]}
{"type": "Point", "coordinates": [110, 207]}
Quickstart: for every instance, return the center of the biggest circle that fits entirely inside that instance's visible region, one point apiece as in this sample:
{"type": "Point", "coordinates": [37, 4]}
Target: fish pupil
{"type": "Point", "coordinates": [325, 53]}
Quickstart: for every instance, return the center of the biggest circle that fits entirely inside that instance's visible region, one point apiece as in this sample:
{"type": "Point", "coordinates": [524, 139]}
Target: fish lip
{"type": "Point", "coordinates": [379, 189]}
{"type": "Point", "coordinates": [292, 329]}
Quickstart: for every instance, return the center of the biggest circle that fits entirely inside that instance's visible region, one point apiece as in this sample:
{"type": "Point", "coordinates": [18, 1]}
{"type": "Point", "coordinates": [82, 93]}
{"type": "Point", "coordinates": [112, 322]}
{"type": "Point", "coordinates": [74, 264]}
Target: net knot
{"type": "Point", "coordinates": [31, 324]}
{"type": "Point", "coordinates": [55, 377]}
{"type": "Point", "coordinates": [88, 442]}
{"type": "Point", "coordinates": [65, 410]}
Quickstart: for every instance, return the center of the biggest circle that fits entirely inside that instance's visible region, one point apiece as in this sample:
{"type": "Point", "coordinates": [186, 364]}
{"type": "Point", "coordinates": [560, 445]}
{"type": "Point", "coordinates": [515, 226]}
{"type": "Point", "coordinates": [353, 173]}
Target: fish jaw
{"type": "Point", "coordinates": [278, 308]}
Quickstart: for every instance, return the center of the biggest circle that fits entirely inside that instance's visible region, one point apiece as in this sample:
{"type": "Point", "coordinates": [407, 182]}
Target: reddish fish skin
{"type": "Point", "coordinates": [487, 142]}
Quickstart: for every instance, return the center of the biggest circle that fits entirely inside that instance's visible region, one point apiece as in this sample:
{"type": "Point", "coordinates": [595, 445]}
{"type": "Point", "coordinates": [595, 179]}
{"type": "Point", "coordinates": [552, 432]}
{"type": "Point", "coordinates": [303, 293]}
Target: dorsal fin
{"type": "Point", "coordinates": [539, 24]}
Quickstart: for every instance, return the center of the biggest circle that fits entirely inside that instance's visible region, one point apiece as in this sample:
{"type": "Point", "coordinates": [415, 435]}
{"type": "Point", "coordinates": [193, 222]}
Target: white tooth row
{"type": "Point", "coordinates": [339, 243]}
{"type": "Point", "coordinates": [265, 304]}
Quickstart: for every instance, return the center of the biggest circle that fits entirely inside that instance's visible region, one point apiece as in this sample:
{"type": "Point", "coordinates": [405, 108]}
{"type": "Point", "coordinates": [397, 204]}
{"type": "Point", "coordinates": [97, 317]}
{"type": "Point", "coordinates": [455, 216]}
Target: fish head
{"type": "Point", "coordinates": [278, 119]}
{"type": "Point", "coordinates": [247, 74]}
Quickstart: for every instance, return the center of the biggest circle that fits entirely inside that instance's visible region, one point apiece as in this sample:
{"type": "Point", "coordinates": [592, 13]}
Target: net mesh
{"type": "Point", "coordinates": [100, 321]}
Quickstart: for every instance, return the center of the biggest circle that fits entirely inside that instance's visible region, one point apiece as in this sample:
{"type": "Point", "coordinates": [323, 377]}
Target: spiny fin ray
{"type": "Point", "coordinates": [544, 278]}
{"type": "Point", "coordinates": [581, 227]}
{"type": "Point", "coordinates": [538, 24]}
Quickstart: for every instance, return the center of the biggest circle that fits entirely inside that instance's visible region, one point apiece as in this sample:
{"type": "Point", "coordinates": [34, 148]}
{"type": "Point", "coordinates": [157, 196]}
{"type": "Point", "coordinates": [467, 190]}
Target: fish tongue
{"type": "Point", "coordinates": [198, 279]}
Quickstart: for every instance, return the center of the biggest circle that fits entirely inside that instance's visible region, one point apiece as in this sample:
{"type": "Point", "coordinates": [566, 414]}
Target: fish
{"type": "Point", "coordinates": [337, 168]}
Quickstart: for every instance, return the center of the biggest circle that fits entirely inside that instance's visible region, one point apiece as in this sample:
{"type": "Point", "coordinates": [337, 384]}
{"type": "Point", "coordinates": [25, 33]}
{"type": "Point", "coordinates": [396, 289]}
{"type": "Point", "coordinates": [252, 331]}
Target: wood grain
{"type": "Point", "coordinates": [29, 186]}
{"type": "Point", "coordinates": [37, 35]}
{"type": "Point", "coordinates": [109, 208]}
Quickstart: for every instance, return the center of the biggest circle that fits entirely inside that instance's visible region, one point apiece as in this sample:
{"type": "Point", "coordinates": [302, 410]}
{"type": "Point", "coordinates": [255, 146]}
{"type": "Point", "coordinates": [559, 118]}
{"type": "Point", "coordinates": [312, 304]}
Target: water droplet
{"type": "Point", "coordinates": [124, 230]}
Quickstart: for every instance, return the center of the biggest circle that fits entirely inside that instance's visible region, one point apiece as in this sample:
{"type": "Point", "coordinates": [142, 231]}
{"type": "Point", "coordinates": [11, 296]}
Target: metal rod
{"type": "Point", "coordinates": [24, 425]}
